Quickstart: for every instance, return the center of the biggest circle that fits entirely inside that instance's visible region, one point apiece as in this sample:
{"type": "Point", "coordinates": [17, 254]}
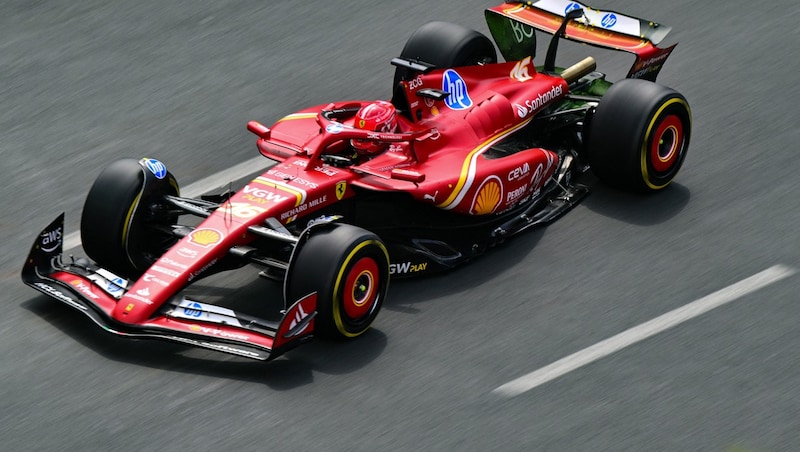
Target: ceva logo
{"type": "Point", "coordinates": [455, 85]}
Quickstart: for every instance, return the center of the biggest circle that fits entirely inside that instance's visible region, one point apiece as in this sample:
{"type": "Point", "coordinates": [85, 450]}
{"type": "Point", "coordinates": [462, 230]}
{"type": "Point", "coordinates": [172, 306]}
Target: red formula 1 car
{"type": "Point", "coordinates": [468, 153]}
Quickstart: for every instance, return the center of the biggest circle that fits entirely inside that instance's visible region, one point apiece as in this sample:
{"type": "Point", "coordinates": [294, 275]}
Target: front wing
{"type": "Point", "coordinates": [95, 292]}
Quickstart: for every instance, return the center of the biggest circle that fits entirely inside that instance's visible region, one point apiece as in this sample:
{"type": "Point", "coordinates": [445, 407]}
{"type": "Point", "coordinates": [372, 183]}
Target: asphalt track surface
{"type": "Point", "coordinates": [83, 84]}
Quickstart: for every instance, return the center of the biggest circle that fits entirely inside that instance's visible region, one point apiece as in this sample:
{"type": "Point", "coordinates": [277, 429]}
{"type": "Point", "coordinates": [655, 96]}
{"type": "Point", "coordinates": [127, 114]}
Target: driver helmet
{"type": "Point", "coordinates": [378, 116]}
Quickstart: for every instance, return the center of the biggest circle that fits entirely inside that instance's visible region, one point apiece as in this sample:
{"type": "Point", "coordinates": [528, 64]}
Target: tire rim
{"type": "Point", "coordinates": [665, 149]}
{"type": "Point", "coordinates": [360, 292]}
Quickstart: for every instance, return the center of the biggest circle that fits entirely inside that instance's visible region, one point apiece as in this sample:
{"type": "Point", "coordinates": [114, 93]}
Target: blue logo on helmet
{"type": "Point", "coordinates": [572, 6]}
{"type": "Point", "coordinates": [609, 20]}
{"type": "Point", "coordinates": [156, 167]}
{"type": "Point", "coordinates": [459, 95]}
{"type": "Point", "coordinates": [194, 309]}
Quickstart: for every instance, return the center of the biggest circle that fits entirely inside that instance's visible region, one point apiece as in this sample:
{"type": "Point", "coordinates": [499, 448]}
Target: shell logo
{"type": "Point", "coordinates": [194, 327]}
{"type": "Point", "coordinates": [205, 237]}
{"type": "Point", "coordinates": [488, 197]}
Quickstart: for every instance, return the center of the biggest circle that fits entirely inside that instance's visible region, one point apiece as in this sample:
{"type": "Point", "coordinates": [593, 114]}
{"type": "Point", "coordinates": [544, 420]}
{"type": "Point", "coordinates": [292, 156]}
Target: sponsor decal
{"type": "Point", "coordinates": [652, 64]}
{"type": "Point", "coordinates": [218, 332]}
{"type": "Point", "coordinates": [429, 102]}
{"type": "Point", "coordinates": [226, 349]}
{"type": "Point", "coordinates": [334, 128]}
{"type": "Point", "coordinates": [51, 240]}
{"type": "Point", "coordinates": [156, 167]}
{"type": "Point", "coordinates": [193, 309]}
{"type": "Point", "coordinates": [609, 20]}
{"type": "Point", "coordinates": [173, 263]}
{"type": "Point", "coordinates": [540, 101]}
{"type": "Point", "coordinates": [341, 188]}
{"type": "Point", "coordinates": [538, 174]}
{"type": "Point", "coordinates": [293, 179]}
{"type": "Point", "coordinates": [432, 197]}
{"type": "Point", "coordinates": [187, 252]}
{"type": "Point", "coordinates": [136, 296]}
{"type": "Point", "coordinates": [298, 317]}
{"type": "Point", "coordinates": [391, 167]}
{"type": "Point", "coordinates": [83, 288]}
{"type": "Point", "coordinates": [488, 196]}
{"type": "Point", "coordinates": [144, 292]}
{"type": "Point", "coordinates": [521, 31]}
{"type": "Point", "coordinates": [115, 287]}
{"type": "Point", "coordinates": [459, 93]}
{"type": "Point", "coordinates": [515, 195]}
{"type": "Point", "coordinates": [55, 293]}
{"type": "Point", "coordinates": [652, 61]}
{"type": "Point", "coordinates": [121, 282]}
{"type": "Point", "coordinates": [165, 271]}
{"type": "Point", "coordinates": [303, 207]}
{"type": "Point", "coordinates": [245, 210]}
{"type": "Point", "coordinates": [154, 279]}
{"type": "Point", "coordinates": [323, 220]}
{"type": "Point", "coordinates": [130, 307]}
{"type": "Point", "coordinates": [262, 196]}
{"type": "Point", "coordinates": [326, 170]}
{"type": "Point", "coordinates": [571, 6]}
{"type": "Point", "coordinates": [412, 85]}
{"type": "Point", "coordinates": [197, 273]}
{"type": "Point", "coordinates": [520, 70]}
{"type": "Point", "coordinates": [407, 267]}
{"type": "Point", "coordinates": [205, 237]}
{"type": "Point", "coordinates": [519, 172]}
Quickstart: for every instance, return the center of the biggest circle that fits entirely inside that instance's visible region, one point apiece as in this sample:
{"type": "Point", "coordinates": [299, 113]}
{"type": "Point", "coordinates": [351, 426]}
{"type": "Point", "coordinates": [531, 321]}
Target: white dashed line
{"type": "Point", "coordinates": [643, 331]}
{"type": "Point", "coordinates": [73, 240]}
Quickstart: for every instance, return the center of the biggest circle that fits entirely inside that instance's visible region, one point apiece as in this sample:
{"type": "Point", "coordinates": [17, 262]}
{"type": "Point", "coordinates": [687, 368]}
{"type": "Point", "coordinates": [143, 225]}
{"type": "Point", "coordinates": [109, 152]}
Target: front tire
{"type": "Point", "coordinates": [124, 217]}
{"type": "Point", "coordinates": [639, 135]}
{"type": "Point", "coordinates": [348, 268]}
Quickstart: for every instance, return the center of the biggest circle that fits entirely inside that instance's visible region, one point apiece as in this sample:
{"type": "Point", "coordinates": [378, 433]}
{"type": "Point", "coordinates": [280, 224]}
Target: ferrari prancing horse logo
{"type": "Point", "coordinates": [341, 187]}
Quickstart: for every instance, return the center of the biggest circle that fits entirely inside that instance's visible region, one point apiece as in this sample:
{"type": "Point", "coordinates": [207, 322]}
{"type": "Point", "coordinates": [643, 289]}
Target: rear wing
{"type": "Point", "coordinates": [512, 25]}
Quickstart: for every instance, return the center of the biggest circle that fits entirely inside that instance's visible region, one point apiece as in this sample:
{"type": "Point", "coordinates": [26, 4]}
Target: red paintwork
{"type": "Point", "coordinates": [443, 163]}
{"type": "Point", "coordinates": [444, 148]}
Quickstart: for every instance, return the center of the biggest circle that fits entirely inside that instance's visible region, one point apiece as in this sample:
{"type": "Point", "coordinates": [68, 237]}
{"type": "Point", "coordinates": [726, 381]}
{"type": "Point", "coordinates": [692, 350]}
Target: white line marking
{"type": "Point", "coordinates": [73, 240]}
{"type": "Point", "coordinates": [643, 331]}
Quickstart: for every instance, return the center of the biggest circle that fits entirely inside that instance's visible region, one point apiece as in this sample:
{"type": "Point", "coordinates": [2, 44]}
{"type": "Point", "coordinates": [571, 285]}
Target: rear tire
{"type": "Point", "coordinates": [639, 135]}
{"type": "Point", "coordinates": [446, 45]}
{"type": "Point", "coordinates": [348, 268]}
{"type": "Point", "coordinates": [122, 224]}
